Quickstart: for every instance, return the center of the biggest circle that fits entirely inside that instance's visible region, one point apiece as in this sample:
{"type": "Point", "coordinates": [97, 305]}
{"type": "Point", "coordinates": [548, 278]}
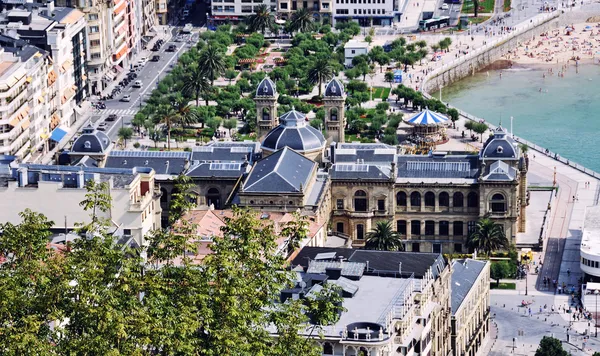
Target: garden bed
{"type": "Point", "coordinates": [502, 285]}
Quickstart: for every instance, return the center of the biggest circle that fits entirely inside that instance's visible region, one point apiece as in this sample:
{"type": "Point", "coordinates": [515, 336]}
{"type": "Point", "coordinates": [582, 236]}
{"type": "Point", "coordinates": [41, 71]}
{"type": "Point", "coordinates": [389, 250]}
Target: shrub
{"type": "Point", "coordinates": [136, 145]}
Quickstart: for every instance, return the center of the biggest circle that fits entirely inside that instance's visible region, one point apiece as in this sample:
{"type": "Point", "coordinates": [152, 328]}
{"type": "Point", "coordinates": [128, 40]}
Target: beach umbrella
{"type": "Point", "coordinates": [427, 117]}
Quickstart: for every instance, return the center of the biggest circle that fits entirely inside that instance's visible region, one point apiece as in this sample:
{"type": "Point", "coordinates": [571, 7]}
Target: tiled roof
{"type": "Point", "coordinates": [163, 162]}
{"type": "Point", "coordinates": [410, 166]}
{"type": "Point", "coordinates": [285, 171]}
{"type": "Point", "coordinates": [464, 275]}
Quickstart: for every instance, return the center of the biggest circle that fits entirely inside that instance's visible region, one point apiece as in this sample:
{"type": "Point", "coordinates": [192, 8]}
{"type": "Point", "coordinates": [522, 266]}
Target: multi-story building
{"type": "Point", "coordinates": [235, 9]}
{"type": "Point", "coordinates": [396, 303]}
{"type": "Point", "coordinates": [470, 306]}
{"type": "Point", "coordinates": [61, 32]}
{"type": "Point", "coordinates": [24, 97]}
{"type": "Point", "coordinates": [367, 12]}
{"type": "Point", "coordinates": [162, 14]}
{"type": "Point", "coordinates": [321, 9]}
{"type": "Point", "coordinates": [135, 209]}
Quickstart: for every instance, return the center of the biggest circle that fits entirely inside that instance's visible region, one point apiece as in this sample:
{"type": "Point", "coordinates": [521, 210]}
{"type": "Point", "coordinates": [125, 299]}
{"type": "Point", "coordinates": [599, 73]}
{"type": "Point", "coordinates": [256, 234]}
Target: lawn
{"type": "Point", "coordinates": [363, 139]}
{"type": "Point", "coordinates": [381, 93]}
{"type": "Point", "coordinates": [478, 20]}
{"type": "Point", "coordinates": [485, 6]}
{"type": "Point", "coordinates": [506, 5]}
{"type": "Point", "coordinates": [512, 286]}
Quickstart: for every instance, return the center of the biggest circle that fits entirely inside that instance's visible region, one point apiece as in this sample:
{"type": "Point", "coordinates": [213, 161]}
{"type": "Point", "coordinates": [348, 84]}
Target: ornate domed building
{"type": "Point", "coordinates": [266, 107]}
{"type": "Point", "coordinates": [333, 103]}
{"type": "Point", "coordinates": [295, 132]}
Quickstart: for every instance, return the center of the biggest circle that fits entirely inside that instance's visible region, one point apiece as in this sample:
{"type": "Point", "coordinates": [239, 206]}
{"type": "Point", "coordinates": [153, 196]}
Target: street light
{"type": "Point", "coordinates": [511, 131]}
{"type": "Point", "coordinates": [526, 273]}
{"type": "Point", "coordinates": [596, 313]}
{"type": "Point", "coordinates": [514, 342]}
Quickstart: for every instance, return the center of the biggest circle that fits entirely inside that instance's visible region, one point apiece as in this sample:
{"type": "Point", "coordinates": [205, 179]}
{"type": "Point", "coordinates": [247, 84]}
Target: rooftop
{"type": "Point", "coordinates": [590, 241]}
{"type": "Point", "coordinates": [163, 162]}
{"type": "Point", "coordinates": [464, 275]}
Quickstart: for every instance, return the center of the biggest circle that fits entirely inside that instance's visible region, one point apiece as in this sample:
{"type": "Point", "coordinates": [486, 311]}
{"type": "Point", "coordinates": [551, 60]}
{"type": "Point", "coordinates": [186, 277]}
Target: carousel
{"type": "Point", "coordinates": [429, 129]}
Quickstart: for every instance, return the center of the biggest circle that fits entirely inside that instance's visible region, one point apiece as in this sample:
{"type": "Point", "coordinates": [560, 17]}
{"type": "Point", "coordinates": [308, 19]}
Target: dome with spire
{"type": "Point", "coordinates": [294, 132]}
{"type": "Point", "coordinates": [500, 146]}
{"type": "Point", "coordinates": [334, 89]}
{"type": "Point", "coordinates": [266, 88]}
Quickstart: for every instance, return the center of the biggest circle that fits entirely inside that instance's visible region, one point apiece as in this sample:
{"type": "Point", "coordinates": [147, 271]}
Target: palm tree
{"type": "Point", "coordinates": [320, 72]}
{"type": "Point", "coordinates": [125, 133]}
{"type": "Point", "coordinates": [184, 115]}
{"type": "Point", "coordinates": [195, 83]}
{"type": "Point", "coordinates": [302, 21]}
{"type": "Point", "coordinates": [524, 148]}
{"type": "Point", "coordinates": [384, 238]}
{"type": "Point", "coordinates": [212, 62]}
{"type": "Point", "coordinates": [166, 115]}
{"type": "Point", "coordinates": [261, 20]}
{"type": "Point", "coordinates": [487, 236]}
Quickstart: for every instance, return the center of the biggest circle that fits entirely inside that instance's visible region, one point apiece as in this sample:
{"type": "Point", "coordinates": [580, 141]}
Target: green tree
{"type": "Point", "coordinates": [295, 230]}
{"type": "Point", "coordinates": [214, 123]}
{"type": "Point", "coordinates": [195, 83]}
{"type": "Point", "coordinates": [383, 237]}
{"type": "Point", "coordinates": [139, 120]}
{"type": "Point", "coordinates": [302, 21]}
{"type": "Point", "coordinates": [320, 72]}
{"type": "Point", "coordinates": [97, 200]}
{"type": "Point", "coordinates": [453, 115]}
{"type": "Point", "coordinates": [125, 133]}
{"type": "Point", "coordinates": [185, 114]}
{"type": "Point", "coordinates": [230, 124]}
{"type": "Point", "coordinates": [389, 77]}
{"type": "Point", "coordinates": [469, 125]}
{"type": "Point", "coordinates": [480, 128]}
{"type": "Point", "coordinates": [212, 62]}
{"type": "Point", "coordinates": [230, 75]}
{"type": "Point", "coordinates": [165, 114]}
{"type": "Point", "coordinates": [550, 346]}
{"type": "Point", "coordinates": [524, 148]}
{"type": "Point", "coordinates": [182, 198]}
{"type": "Point", "coordinates": [487, 236]}
{"type": "Point", "coordinates": [500, 270]}
{"type": "Point", "coordinates": [261, 20]}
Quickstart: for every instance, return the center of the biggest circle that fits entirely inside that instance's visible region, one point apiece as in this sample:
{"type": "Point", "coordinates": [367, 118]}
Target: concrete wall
{"type": "Point", "coordinates": [484, 56]}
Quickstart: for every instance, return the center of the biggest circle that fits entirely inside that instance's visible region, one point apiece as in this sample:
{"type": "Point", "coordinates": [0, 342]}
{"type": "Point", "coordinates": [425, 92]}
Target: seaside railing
{"type": "Point", "coordinates": [520, 29]}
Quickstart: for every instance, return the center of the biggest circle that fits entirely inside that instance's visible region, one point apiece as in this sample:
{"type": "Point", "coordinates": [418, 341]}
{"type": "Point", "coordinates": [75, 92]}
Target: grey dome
{"type": "Point", "coordinates": [294, 133]}
{"type": "Point", "coordinates": [500, 146]}
{"type": "Point", "coordinates": [266, 88]}
{"type": "Point", "coordinates": [91, 141]}
{"type": "Point", "coordinates": [334, 88]}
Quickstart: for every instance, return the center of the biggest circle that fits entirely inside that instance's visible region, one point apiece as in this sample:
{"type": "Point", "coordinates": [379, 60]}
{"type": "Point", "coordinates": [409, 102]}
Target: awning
{"type": "Point", "coordinates": [44, 136]}
{"type": "Point", "coordinates": [41, 99]}
{"type": "Point", "coordinates": [83, 77]}
{"type": "Point", "coordinates": [51, 77]}
{"type": "Point", "coordinates": [25, 124]}
{"type": "Point", "coordinates": [66, 65]}
{"type": "Point", "coordinates": [58, 134]}
{"type": "Point", "coordinates": [118, 68]}
{"type": "Point", "coordinates": [29, 79]}
{"type": "Point", "coordinates": [54, 121]}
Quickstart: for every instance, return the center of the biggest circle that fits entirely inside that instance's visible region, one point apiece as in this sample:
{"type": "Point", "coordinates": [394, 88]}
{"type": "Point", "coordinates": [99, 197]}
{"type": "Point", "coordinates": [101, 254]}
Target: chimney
{"type": "Point", "coordinates": [50, 7]}
{"type": "Point", "coordinates": [23, 177]}
{"type": "Point", "coordinates": [367, 268]}
{"type": "Point", "coordinates": [332, 152]}
{"type": "Point", "coordinates": [80, 179]}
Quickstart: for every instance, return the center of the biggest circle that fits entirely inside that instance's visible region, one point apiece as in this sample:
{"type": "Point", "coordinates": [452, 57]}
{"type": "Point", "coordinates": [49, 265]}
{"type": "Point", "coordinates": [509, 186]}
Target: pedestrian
{"type": "Point", "coordinates": [577, 197]}
{"type": "Point", "coordinates": [529, 311]}
{"type": "Point", "coordinates": [573, 198]}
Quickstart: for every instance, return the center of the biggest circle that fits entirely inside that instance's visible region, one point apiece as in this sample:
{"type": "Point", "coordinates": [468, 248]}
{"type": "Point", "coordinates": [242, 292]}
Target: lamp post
{"type": "Point", "coordinates": [526, 273]}
{"type": "Point", "coordinates": [511, 127]}
{"type": "Point", "coordinates": [514, 342]}
{"type": "Point", "coordinates": [596, 314]}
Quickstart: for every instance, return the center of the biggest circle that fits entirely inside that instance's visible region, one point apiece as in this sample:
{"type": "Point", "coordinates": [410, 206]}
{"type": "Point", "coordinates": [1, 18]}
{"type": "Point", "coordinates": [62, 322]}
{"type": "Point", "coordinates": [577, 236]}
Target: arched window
{"type": "Point", "coordinates": [327, 349]}
{"type": "Point", "coordinates": [401, 199]}
{"type": "Point", "coordinates": [472, 200]}
{"type": "Point", "coordinates": [213, 197]}
{"type": "Point", "coordinates": [415, 199]}
{"type": "Point", "coordinates": [498, 203]}
{"type": "Point", "coordinates": [87, 145]}
{"type": "Point", "coordinates": [360, 232]}
{"type": "Point", "coordinates": [458, 200]}
{"type": "Point", "coordinates": [429, 199]}
{"type": "Point", "coordinates": [333, 114]}
{"type": "Point", "coordinates": [444, 199]}
{"type": "Point", "coordinates": [266, 114]}
{"type": "Point", "coordinates": [340, 227]}
{"type": "Point", "coordinates": [360, 201]}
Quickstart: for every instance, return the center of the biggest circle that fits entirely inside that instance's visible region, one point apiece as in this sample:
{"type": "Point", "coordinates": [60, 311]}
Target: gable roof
{"type": "Point", "coordinates": [285, 171]}
{"type": "Point", "coordinates": [379, 261]}
{"type": "Point", "coordinates": [464, 275]}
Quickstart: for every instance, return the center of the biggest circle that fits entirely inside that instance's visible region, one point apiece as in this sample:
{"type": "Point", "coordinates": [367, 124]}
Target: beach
{"type": "Point", "coordinates": [573, 44]}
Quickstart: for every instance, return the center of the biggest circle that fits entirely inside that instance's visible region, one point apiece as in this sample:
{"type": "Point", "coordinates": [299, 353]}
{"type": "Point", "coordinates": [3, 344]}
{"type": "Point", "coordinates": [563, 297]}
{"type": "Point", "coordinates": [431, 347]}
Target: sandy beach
{"type": "Point", "coordinates": [576, 43]}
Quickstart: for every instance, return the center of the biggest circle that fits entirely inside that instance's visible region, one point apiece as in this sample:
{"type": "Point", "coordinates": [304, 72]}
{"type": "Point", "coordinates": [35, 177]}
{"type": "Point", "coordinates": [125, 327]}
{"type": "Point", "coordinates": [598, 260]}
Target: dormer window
{"type": "Point", "coordinates": [499, 149]}
{"type": "Point", "coordinates": [87, 145]}
{"type": "Point", "coordinates": [124, 162]}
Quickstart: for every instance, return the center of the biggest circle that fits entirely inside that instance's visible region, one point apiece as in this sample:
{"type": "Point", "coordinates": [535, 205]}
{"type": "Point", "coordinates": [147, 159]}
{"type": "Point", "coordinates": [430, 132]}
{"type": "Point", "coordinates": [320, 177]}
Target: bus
{"type": "Point", "coordinates": [434, 23]}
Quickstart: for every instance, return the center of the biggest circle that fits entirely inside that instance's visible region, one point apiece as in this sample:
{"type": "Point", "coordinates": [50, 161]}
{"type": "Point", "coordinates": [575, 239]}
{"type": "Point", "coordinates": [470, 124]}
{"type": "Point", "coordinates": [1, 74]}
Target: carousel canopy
{"type": "Point", "coordinates": [427, 117]}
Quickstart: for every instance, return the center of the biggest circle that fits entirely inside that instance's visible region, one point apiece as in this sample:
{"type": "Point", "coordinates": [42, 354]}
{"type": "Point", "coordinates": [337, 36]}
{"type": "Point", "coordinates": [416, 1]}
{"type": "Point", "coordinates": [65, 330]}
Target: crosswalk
{"type": "Point", "coordinates": [120, 112]}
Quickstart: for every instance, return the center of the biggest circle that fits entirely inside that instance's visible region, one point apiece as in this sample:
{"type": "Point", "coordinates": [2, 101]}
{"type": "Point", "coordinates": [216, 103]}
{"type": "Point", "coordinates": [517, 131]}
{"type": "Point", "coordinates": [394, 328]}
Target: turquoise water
{"type": "Point", "coordinates": [564, 117]}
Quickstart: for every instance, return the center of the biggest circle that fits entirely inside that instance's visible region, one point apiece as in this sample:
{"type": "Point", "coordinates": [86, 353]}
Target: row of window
{"type": "Point", "coordinates": [590, 263]}
{"type": "Point", "coordinates": [360, 1]}
{"type": "Point", "coordinates": [418, 228]}
{"type": "Point", "coordinates": [458, 199]}
{"type": "Point", "coordinates": [360, 12]}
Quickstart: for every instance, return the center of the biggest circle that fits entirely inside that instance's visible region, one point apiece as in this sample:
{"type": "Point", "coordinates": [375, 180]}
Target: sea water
{"type": "Point", "coordinates": [561, 114]}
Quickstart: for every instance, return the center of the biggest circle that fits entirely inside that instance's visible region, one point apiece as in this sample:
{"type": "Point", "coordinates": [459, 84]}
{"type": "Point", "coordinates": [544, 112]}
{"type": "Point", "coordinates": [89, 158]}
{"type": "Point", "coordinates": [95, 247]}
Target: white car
{"type": "Point", "coordinates": [143, 60]}
{"type": "Point", "coordinates": [126, 98]}
{"type": "Point", "coordinates": [444, 7]}
{"type": "Point", "coordinates": [137, 84]}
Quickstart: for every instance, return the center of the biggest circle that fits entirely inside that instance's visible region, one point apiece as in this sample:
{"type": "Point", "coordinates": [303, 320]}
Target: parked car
{"type": "Point", "coordinates": [126, 98]}
{"type": "Point", "coordinates": [137, 84]}
{"type": "Point", "coordinates": [112, 117]}
{"type": "Point", "coordinates": [172, 48]}
{"type": "Point", "coordinates": [155, 58]}
{"type": "Point", "coordinates": [102, 126]}
{"type": "Point", "coordinates": [444, 7]}
{"type": "Point", "coordinates": [143, 60]}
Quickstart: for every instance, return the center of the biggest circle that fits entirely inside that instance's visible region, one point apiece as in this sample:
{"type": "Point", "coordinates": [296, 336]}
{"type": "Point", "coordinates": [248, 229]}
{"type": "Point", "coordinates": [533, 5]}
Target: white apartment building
{"type": "Point", "coordinates": [352, 49]}
{"type": "Point", "coordinates": [24, 94]}
{"type": "Point", "coordinates": [235, 9]}
{"type": "Point", "coordinates": [135, 207]}
{"type": "Point", "coordinates": [321, 9]}
{"type": "Point", "coordinates": [367, 12]}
